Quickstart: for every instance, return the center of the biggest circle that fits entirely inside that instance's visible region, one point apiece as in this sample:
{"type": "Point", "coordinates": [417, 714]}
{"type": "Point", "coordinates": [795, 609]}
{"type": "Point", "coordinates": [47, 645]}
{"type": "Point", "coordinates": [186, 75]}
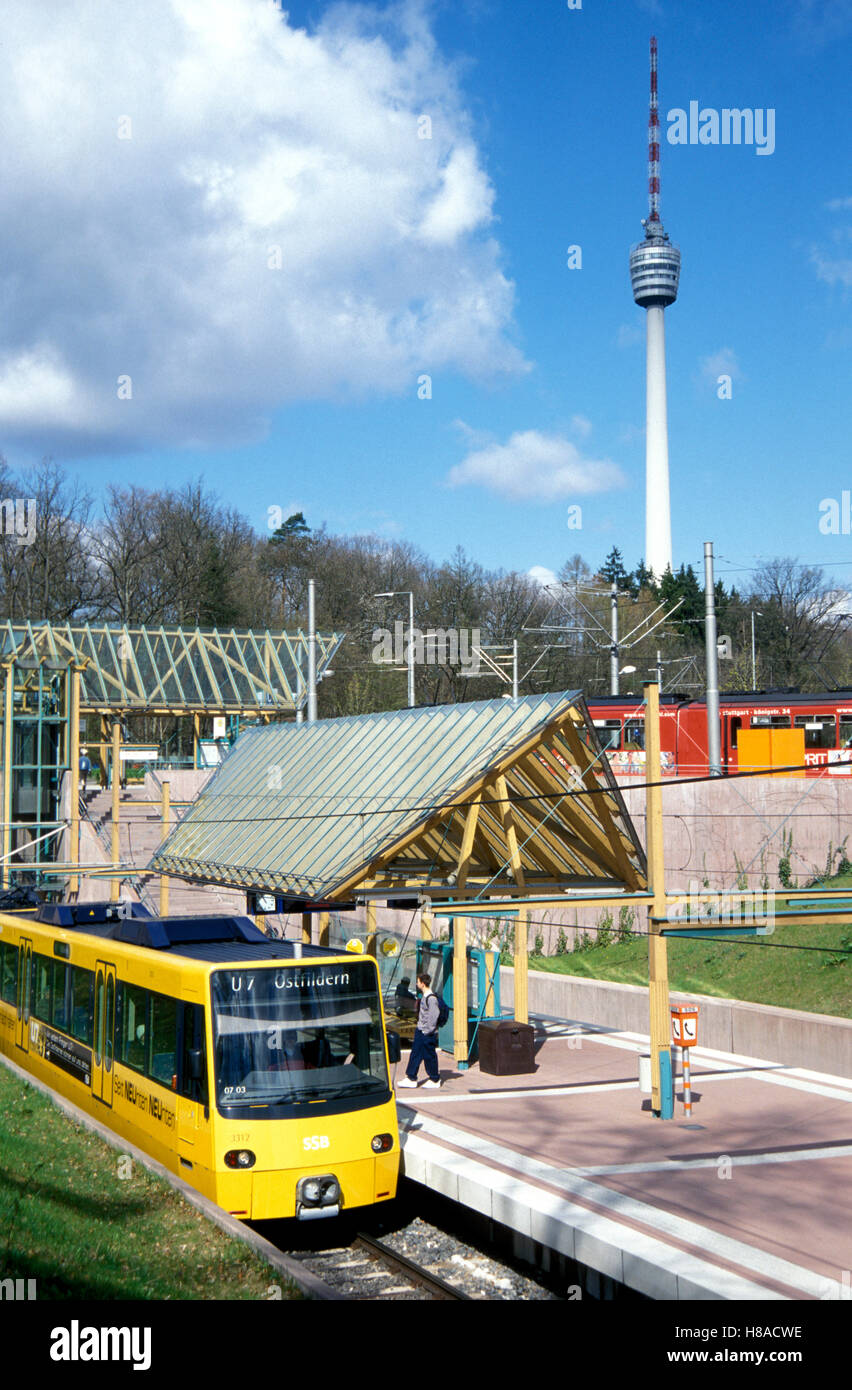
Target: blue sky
{"type": "Point", "coordinates": [299, 383]}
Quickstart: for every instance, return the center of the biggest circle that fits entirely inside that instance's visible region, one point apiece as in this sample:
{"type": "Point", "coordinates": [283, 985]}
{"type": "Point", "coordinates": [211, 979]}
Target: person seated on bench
{"type": "Point", "coordinates": [404, 1001]}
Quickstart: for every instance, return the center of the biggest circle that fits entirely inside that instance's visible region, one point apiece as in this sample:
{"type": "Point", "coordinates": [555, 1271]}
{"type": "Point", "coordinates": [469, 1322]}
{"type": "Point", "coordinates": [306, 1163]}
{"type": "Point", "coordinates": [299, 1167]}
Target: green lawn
{"type": "Point", "coordinates": [72, 1223]}
{"type": "Point", "coordinates": [750, 968]}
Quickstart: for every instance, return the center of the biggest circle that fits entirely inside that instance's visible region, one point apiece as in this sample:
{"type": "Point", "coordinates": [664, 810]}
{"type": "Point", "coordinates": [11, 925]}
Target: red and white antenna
{"type": "Point", "coordinates": [654, 143]}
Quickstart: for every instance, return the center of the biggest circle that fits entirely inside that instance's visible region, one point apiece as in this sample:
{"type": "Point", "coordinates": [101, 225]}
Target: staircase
{"type": "Point", "coordinates": [140, 835]}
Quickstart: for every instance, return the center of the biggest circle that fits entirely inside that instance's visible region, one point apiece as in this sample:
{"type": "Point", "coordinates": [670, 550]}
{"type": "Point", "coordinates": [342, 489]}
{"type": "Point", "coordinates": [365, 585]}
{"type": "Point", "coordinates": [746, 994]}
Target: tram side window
{"type": "Point", "coordinates": [8, 971]}
{"type": "Point", "coordinates": [819, 729]}
{"type": "Point", "coordinates": [609, 733]}
{"type": "Point", "coordinates": [43, 979]}
{"type": "Point", "coordinates": [134, 1027]}
{"type": "Point", "coordinates": [193, 1040]}
{"type": "Point", "coordinates": [60, 1014]}
{"type": "Point", "coordinates": [81, 991]}
{"type": "Point", "coordinates": [162, 1066]}
{"type": "Point", "coordinates": [634, 735]}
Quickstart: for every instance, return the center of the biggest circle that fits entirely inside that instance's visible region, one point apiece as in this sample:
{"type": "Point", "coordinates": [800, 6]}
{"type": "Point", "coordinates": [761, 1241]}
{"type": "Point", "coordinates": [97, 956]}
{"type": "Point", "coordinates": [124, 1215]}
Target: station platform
{"type": "Point", "coordinates": [749, 1198]}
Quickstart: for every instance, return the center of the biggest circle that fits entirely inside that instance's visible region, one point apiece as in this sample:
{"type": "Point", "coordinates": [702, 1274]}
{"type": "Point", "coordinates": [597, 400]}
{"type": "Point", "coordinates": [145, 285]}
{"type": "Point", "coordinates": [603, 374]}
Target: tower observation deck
{"type": "Point", "coordinates": [655, 268]}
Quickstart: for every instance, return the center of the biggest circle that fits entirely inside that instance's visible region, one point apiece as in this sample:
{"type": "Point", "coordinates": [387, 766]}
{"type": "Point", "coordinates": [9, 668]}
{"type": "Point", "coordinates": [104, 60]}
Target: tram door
{"type": "Point", "coordinates": [102, 1061]}
{"type": "Point", "coordinates": [25, 973]}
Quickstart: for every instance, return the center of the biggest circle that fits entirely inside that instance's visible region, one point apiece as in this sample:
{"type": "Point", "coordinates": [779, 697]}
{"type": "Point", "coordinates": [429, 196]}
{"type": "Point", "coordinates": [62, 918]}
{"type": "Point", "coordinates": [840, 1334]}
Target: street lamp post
{"type": "Point", "coordinates": [400, 593]}
{"type": "Point", "coordinates": [754, 615]}
{"type": "Point", "coordinates": [613, 651]}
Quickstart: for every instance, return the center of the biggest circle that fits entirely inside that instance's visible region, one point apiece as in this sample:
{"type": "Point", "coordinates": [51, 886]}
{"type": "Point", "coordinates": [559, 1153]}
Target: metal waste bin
{"type": "Point", "coordinates": [506, 1048]}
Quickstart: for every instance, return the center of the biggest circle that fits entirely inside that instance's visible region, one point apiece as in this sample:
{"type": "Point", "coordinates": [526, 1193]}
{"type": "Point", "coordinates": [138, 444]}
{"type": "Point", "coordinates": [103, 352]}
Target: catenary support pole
{"type": "Point", "coordinates": [714, 746]}
{"type": "Point", "coordinates": [662, 1098]}
{"type": "Point", "coordinates": [312, 653]}
{"type": "Point", "coordinates": [164, 878]}
{"type": "Point", "coordinates": [115, 884]}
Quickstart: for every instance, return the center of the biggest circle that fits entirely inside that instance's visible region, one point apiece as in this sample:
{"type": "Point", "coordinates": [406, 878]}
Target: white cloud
{"type": "Point", "coordinates": [839, 204]}
{"type": "Point", "coordinates": [235, 213]}
{"type": "Point", "coordinates": [581, 426]}
{"type": "Point", "coordinates": [533, 466]}
{"type": "Point", "coordinates": [819, 22]}
{"type": "Point", "coordinates": [716, 364]}
{"type": "Point", "coordinates": [833, 270]}
{"type": "Point", "coordinates": [542, 576]}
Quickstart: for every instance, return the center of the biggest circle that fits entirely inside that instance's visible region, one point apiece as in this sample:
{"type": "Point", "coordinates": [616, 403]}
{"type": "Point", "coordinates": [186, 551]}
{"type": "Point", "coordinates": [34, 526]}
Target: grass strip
{"type": "Point", "coordinates": [747, 969]}
{"type": "Point", "coordinates": [88, 1222]}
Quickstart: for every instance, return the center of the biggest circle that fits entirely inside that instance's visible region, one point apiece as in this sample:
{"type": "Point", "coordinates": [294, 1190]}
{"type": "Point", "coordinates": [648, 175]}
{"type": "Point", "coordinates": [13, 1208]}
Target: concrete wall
{"type": "Point", "coordinates": [712, 827]}
{"type": "Point", "coordinates": [818, 1042]}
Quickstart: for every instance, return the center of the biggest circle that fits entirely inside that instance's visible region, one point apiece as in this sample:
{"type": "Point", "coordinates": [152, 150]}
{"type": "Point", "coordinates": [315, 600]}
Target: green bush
{"type": "Point", "coordinates": [626, 919]}
{"type": "Point", "coordinates": [604, 936]}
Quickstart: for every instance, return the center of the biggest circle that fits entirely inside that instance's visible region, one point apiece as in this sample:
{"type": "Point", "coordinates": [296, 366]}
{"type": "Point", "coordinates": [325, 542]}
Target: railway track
{"type": "Point", "coordinates": [368, 1269]}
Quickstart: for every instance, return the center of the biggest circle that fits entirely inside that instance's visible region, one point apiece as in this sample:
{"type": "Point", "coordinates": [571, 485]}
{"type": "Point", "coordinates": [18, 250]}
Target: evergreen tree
{"type": "Point", "coordinates": [642, 578]}
{"type": "Point", "coordinates": [613, 571]}
{"type": "Point", "coordinates": [294, 527]}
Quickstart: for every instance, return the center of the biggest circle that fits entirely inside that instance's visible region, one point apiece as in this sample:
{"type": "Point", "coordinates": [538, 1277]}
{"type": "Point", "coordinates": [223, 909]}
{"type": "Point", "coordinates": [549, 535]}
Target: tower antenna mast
{"type": "Point", "coordinates": [654, 143]}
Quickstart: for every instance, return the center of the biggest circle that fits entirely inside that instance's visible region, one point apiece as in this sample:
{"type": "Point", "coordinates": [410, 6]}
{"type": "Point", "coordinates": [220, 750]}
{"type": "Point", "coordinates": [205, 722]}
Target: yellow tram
{"type": "Point", "coordinates": [257, 1070]}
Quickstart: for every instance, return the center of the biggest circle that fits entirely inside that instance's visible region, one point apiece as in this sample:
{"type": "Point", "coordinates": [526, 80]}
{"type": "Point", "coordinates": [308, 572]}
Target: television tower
{"type": "Point", "coordinates": [654, 275]}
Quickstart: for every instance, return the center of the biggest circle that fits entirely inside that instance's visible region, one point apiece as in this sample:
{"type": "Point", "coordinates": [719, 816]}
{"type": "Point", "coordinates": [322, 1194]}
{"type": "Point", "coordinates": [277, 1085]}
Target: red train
{"type": "Point", "coordinates": [825, 720]}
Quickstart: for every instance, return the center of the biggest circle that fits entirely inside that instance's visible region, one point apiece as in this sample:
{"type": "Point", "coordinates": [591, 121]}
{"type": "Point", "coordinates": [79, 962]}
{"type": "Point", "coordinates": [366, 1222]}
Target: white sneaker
{"type": "Point", "coordinates": [431, 1085]}
{"type": "Point", "coordinates": [406, 1082]}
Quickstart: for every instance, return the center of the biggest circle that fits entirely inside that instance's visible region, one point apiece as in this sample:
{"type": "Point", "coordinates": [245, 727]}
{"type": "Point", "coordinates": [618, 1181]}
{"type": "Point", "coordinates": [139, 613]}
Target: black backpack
{"type": "Point", "coordinates": [443, 1011]}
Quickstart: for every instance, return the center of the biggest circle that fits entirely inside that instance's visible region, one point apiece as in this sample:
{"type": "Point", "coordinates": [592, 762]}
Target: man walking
{"type": "Point", "coordinates": [85, 766]}
{"type": "Point", "coordinates": [424, 1046]}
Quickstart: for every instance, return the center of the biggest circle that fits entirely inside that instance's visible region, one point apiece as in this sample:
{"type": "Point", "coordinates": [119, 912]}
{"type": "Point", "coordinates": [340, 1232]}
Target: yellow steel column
{"type": "Point", "coordinates": [460, 1046]}
{"type": "Point", "coordinates": [195, 736]}
{"type": "Point", "coordinates": [307, 928]}
{"type": "Point", "coordinates": [164, 878]}
{"type": "Point", "coordinates": [658, 973]}
{"type": "Point", "coordinates": [492, 960]}
{"type": "Point", "coordinates": [116, 808]}
{"type": "Point", "coordinates": [104, 744]}
{"type": "Point", "coordinates": [74, 777]}
{"type": "Point", "coordinates": [521, 962]}
{"type": "Point", "coordinates": [324, 920]}
{"type": "Point", "coordinates": [8, 744]}
{"type": "Point", "coordinates": [426, 921]}
{"type": "Point", "coordinates": [371, 928]}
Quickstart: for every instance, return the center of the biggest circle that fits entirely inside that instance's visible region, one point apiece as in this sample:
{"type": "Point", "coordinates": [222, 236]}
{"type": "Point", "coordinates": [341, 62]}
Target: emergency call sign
{"type": "Point", "coordinates": [684, 1025]}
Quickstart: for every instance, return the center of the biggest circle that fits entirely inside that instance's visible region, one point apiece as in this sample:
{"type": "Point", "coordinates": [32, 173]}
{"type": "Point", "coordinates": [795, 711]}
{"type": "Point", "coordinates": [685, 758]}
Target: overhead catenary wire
{"type": "Point", "coordinates": [434, 807]}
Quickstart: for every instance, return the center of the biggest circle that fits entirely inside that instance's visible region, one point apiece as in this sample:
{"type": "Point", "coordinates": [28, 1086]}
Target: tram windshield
{"type": "Point", "coordinates": [297, 1034]}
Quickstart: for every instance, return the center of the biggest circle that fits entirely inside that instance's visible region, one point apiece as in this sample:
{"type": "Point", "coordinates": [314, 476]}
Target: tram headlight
{"type": "Point", "coordinates": [240, 1158]}
{"type": "Point", "coordinates": [381, 1143]}
{"type": "Point", "coordinates": [311, 1191]}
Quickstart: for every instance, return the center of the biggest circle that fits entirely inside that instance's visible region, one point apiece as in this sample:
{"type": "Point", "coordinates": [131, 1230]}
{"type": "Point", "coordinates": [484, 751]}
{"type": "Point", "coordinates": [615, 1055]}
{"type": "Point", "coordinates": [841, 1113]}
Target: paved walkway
{"type": "Point", "coordinates": [750, 1198]}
